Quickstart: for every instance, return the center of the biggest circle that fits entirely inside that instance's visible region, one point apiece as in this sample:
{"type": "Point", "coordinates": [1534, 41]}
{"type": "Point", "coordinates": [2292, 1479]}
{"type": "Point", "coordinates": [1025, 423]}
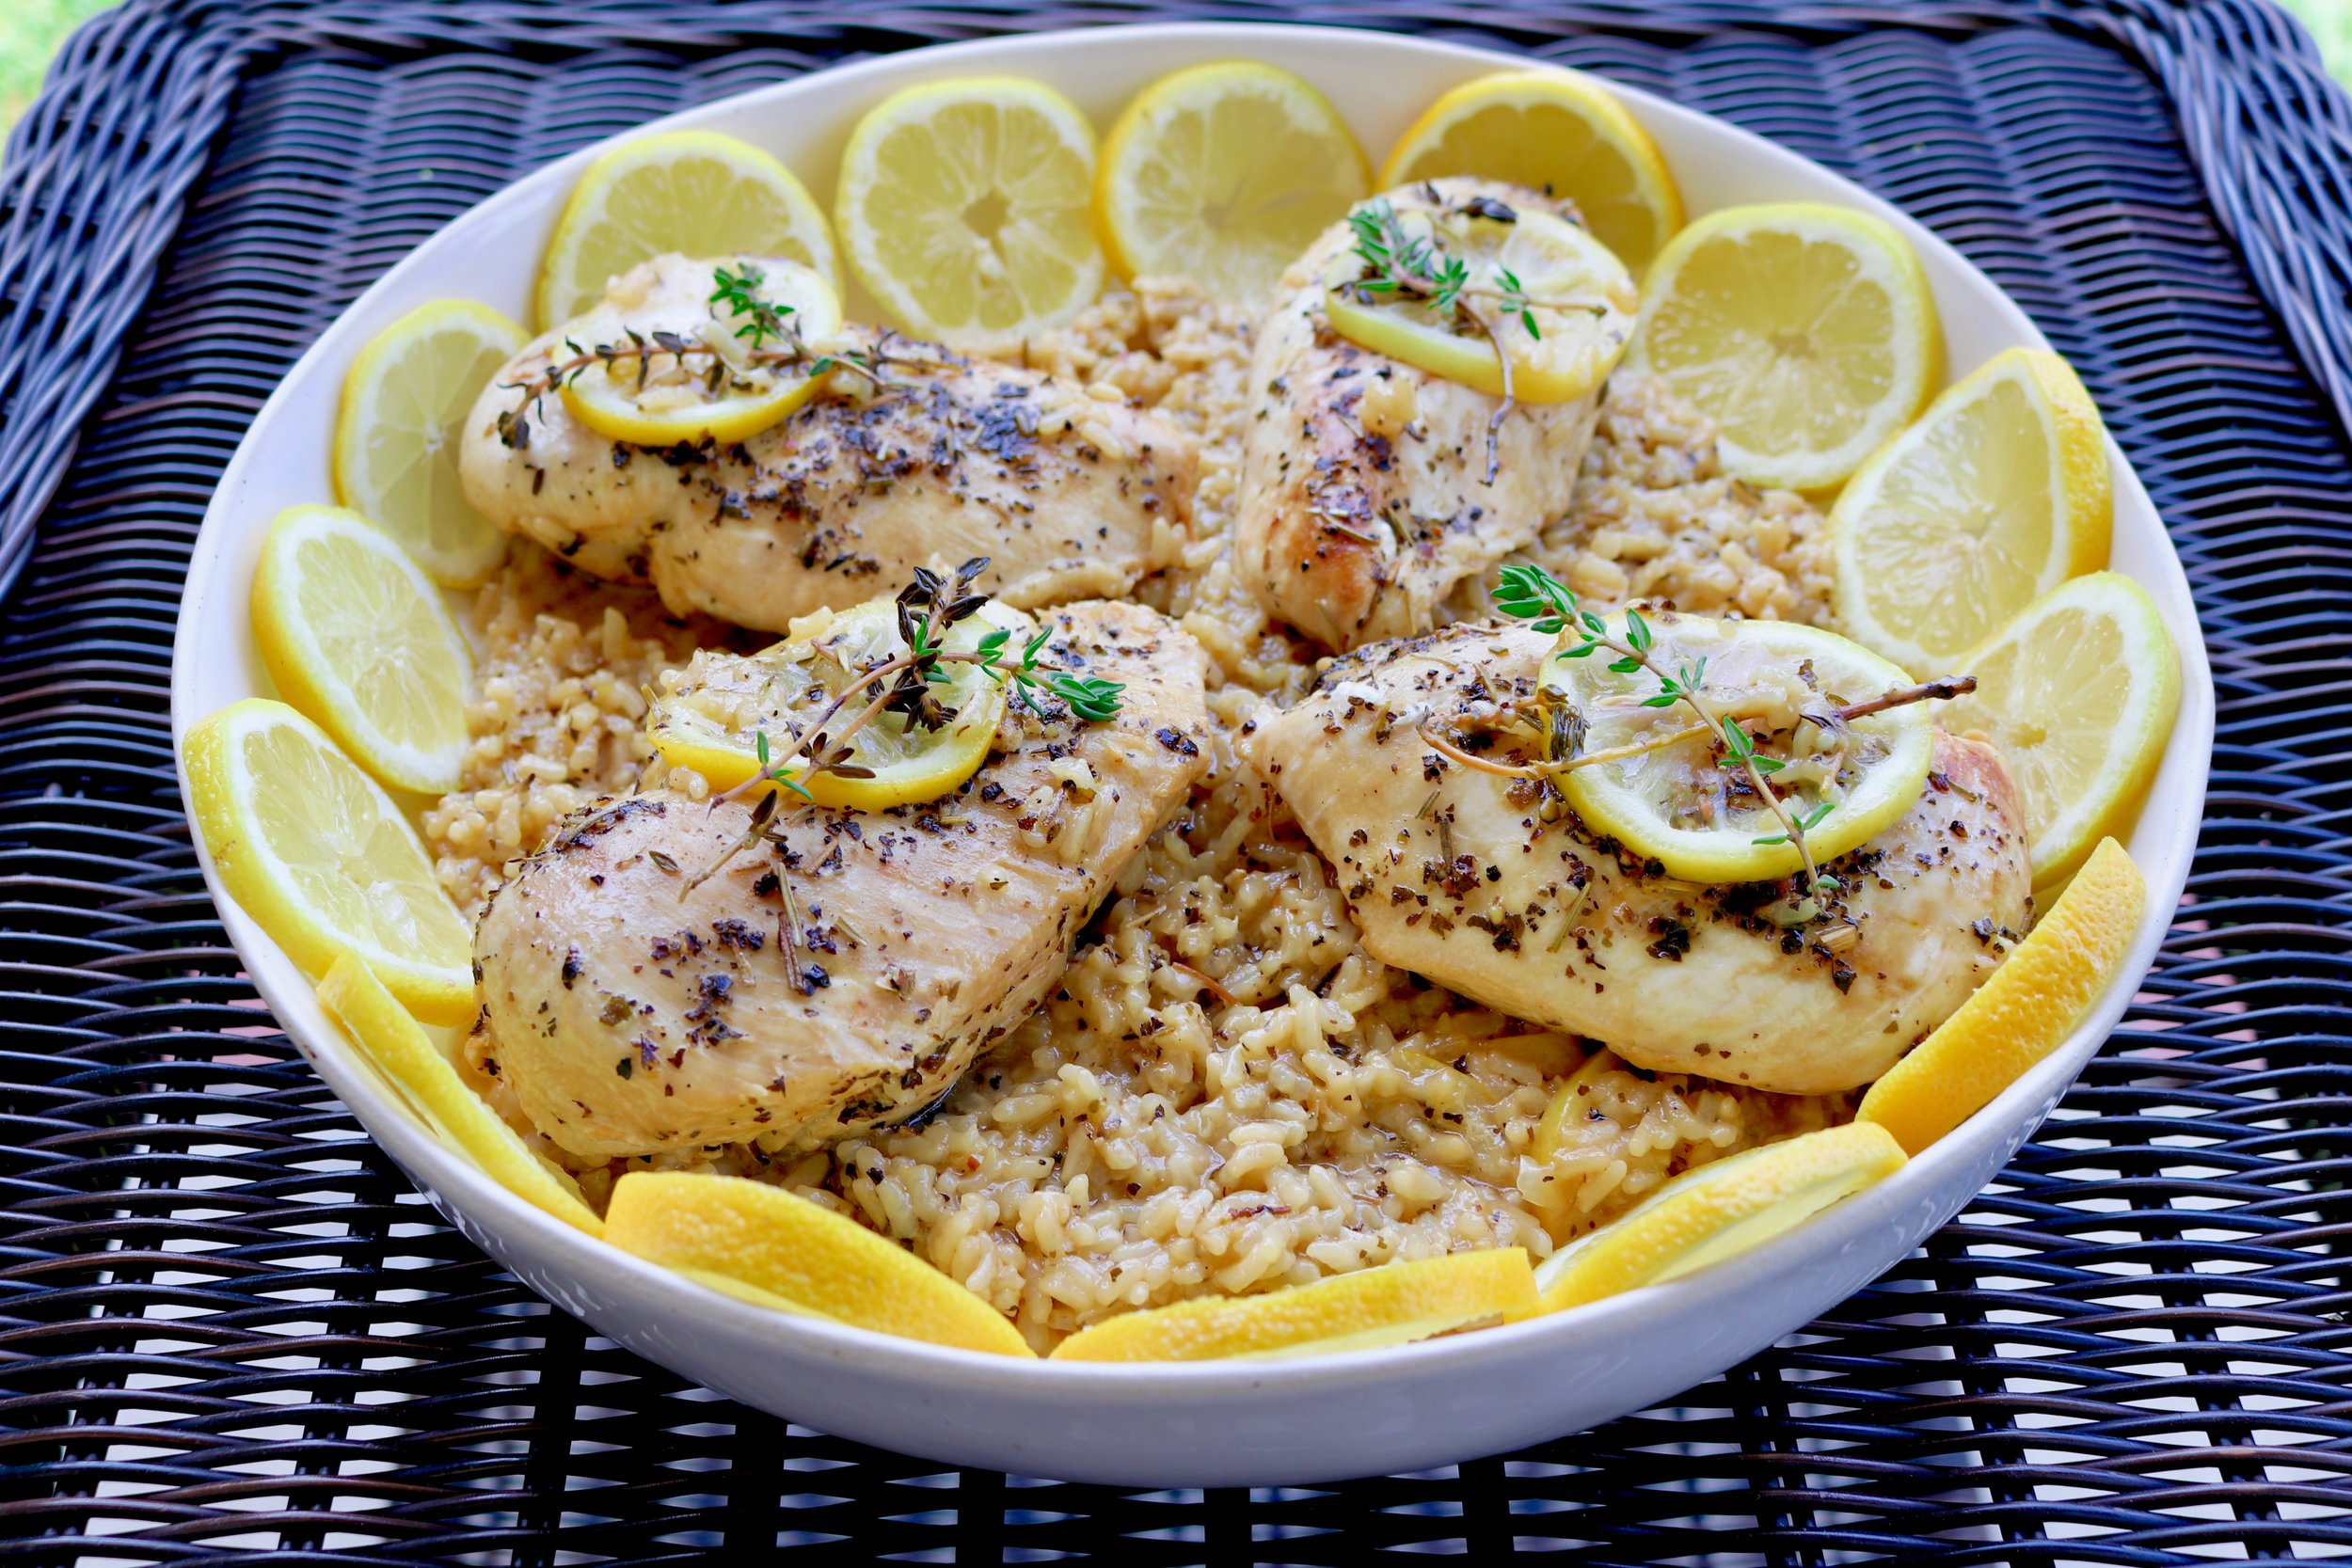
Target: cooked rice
{"type": "Point", "coordinates": [1227, 1094]}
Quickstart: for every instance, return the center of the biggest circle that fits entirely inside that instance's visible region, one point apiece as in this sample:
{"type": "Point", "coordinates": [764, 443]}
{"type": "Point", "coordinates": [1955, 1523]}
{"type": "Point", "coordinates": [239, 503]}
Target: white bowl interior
{"type": "Point", "coordinates": [1204, 1424]}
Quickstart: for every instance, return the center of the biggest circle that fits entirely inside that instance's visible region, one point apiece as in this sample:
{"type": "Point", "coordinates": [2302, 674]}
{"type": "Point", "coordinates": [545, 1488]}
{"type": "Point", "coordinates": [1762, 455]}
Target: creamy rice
{"type": "Point", "coordinates": [1226, 1094]}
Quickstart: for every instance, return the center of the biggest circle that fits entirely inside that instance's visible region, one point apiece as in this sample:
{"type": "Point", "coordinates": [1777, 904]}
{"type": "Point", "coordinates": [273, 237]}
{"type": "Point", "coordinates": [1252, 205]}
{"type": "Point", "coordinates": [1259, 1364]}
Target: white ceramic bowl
{"type": "Point", "coordinates": [1195, 1425]}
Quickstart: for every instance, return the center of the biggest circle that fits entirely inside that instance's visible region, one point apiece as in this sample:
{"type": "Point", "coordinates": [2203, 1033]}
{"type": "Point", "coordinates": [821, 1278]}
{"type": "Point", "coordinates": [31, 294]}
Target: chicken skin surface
{"type": "Point", "coordinates": [633, 1015]}
{"type": "Point", "coordinates": [949, 458]}
{"type": "Point", "coordinates": [1482, 885]}
{"type": "Point", "coordinates": [1364, 498]}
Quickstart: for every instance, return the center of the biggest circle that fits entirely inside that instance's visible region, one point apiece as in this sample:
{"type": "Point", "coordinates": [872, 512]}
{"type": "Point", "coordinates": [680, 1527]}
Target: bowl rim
{"type": "Point", "coordinates": [471, 1198]}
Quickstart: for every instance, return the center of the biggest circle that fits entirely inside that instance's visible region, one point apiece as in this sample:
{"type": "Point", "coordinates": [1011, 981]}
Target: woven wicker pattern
{"type": "Point", "coordinates": [227, 1324]}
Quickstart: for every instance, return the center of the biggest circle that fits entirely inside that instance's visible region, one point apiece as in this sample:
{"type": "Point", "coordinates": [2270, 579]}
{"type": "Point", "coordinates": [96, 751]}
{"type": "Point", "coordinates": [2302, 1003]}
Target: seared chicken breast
{"type": "Point", "coordinates": [844, 971]}
{"type": "Point", "coordinates": [949, 458]}
{"type": "Point", "coordinates": [1492, 887]}
{"type": "Point", "coordinates": [1364, 498]}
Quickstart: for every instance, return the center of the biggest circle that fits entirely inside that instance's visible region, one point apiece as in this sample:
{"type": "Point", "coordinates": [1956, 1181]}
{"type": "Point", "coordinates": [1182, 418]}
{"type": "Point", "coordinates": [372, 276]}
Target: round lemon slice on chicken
{"type": "Point", "coordinates": [694, 192]}
{"type": "Point", "coordinates": [1512, 302]}
{"type": "Point", "coordinates": [1370, 1309]}
{"type": "Point", "coordinates": [1721, 1209]}
{"type": "Point", "coordinates": [1557, 130]}
{"type": "Point", "coordinates": [732, 719]}
{"type": "Point", "coordinates": [1666, 775]}
{"type": "Point", "coordinates": [1223, 173]}
{"type": "Point", "coordinates": [720, 371]}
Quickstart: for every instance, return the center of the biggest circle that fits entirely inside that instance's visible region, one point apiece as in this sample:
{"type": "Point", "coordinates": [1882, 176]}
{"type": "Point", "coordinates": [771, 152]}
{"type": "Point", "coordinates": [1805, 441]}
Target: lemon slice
{"type": "Point", "coordinates": [2022, 1013]}
{"type": "Point", "coordinates": [1807, 333]}
{"type": "Point", "coordinates": [1564, 324]}
{"type": "Point", "coordinates": [710, 716]}
{"type": "Point", "coordinates": [2080, 692]}
{"type": "Point", "coordinates": [1368, 1310]}
{"type": "Point", "coordinates": [391, 1041]}
{"type": "Point", "coordinates": [694, 192]}
{"type": "Point", "coordinates": [1721, 1209]}
{"type": "Point", "coordinates": [1670, 796]}
{"type": "Point", "coordinates": [1995, 497]}
{"type": "Point", "coordinates": [765, 1245]}
{"type": "Point", "coordinates": [1223, 173]}
{"type": "Point", "coordinates": [317, 854]}
{"type": "Point", "coordinates": [397, 435]}
{"type": "Point", "coordinates": [357, 638]}
{"type": "Point", "coordinates": [966, 210]}
{"type": "Point", "coordinates": [736, 371]}
{"type": "Point", "coordinates": [1559, 131]}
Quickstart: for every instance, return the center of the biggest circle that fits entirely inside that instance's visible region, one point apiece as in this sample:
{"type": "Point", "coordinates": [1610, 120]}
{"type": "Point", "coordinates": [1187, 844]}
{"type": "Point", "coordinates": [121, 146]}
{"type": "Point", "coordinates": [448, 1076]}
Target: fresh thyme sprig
{"type": "Point", "coordinates": [738, 292]}
{"type": "Point", "coordinates": [1531, 594]}
{"type": "Point", "coordinates": [925, 609]}
{"type": "Point", "coordinates": [1401, 266]}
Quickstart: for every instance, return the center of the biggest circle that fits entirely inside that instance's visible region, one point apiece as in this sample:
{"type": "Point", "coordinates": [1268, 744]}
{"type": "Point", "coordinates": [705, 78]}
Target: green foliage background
{"type": "Point", "coordinates": [31, 30]}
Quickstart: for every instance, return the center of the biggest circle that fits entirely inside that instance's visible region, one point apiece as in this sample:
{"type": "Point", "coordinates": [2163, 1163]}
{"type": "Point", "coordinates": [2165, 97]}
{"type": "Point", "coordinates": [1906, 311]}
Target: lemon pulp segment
{"type": "Point", "coordinates": [697, 193]}
{"type": "Point", "coordinates": [315, 851]}
{"type": "Point", "coordinates": [1998, 494]}
{"type": "Point", "coordinates": [967, 209]}
{"type": "Point", "coordinates": [389, 1038]}
{"type": "Point", "coordinates": [402, 422]}
{"type": "Point", "coordinates": [1223, 173]}
{"type": "Point", "coordinates": [1559, 131]}
{"type": "Point", "coordinates": [1579, 296]}
{"type": "Point", "coordinates": [767, 1243]}
{"type": "Point", "coordinates": [357, 638]}
{"type": "Point", "coordinates": [1679, 803]}
{"type": "Point", "coordinates": [709, 717]}
{"type": "Point", "coordinates": [2080, 692]}
{"type": "Point", "coordinates": [1807, 332]}
{"type": "Point", "coordinates": [1392, 1304]}
{"type": "Point", "coordinates": [2023, 1012]}
{"type": "Point", "coordinates": [657, 398]}
{"type": "Point", "coordinates": [1716, 1211]}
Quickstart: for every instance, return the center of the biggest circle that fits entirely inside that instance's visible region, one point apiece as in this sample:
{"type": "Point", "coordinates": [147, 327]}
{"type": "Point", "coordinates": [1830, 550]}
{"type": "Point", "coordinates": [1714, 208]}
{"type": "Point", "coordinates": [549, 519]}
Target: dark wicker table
{"type": "Point", "coordinates": [229, 1326]}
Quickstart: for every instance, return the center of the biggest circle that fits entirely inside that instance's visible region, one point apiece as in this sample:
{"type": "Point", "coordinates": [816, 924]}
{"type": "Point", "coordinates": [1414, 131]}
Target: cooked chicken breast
{"type": "Point", "coordinates": [629, 1019]}
{"type": "Point", "coordinates": [954, 458]}
{"type": "Point", "coordinates": [1363, 492]}
{"type": "Point", "coordinates": [1458, 876]}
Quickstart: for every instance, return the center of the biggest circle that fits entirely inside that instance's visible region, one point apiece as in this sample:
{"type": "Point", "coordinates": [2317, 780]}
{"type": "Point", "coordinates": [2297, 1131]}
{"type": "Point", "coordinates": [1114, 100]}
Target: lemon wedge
{"type": "Point", "coordinates": [1807, 332]}
{"type": "Point", "coordinates": [710, 717]}
{"type": "Point", "coordinates": [1669, 791]}
{"type": "Point", "coordinates": [1222, 174]}
{"type": "Point", "coordinates": [1559, 131]}
{"type": "Point", "coordinates": [1539, 288]}
{"type": "Point", "coordinates": [357, 638]}
{"type": "Point", "coordinates": [1721, 1209]}
{"type": "Point", "coordinates": [404, 1053]}
{"type": "Point", "coordinates": [2080, 692]}
{"type": "Point", "coordinates": [397, 435]}
{"type": "Point", "coordinates": [1368, 1310]}
{"type": "Point", "coordinates": [743, 384]}
{"type": "Point", "coordinates": [1995, 497]}
{"type": "Point", "coordinates": [966, 210]}
{"type": "Point", "coordinates": [694, 192]}
{"type": "Point", "coordinates": [765, 1245]}
{"type": "Point", "coordinates": [316, 852]}
{"type": "Point", "coordinates": [2023, 1012]}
